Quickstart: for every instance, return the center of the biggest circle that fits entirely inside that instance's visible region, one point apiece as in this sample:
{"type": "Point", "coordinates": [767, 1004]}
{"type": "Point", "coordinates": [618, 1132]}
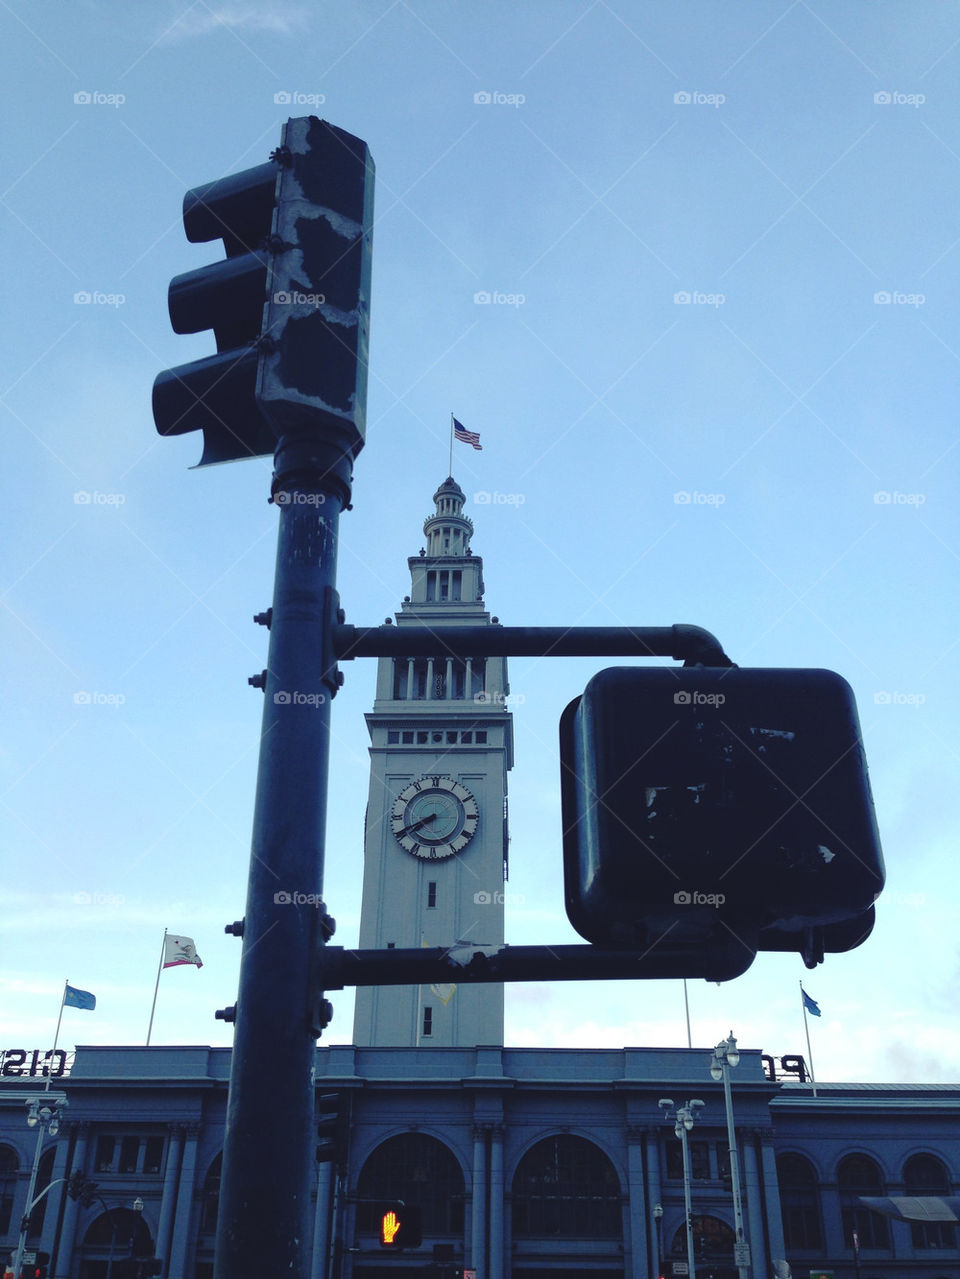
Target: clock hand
{"type": "Point", "coordinates": [407, 830]}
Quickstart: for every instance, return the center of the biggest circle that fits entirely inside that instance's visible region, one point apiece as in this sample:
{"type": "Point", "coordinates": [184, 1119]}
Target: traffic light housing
{"type": "Point", "coordinates": [41, 1268]}
{"type": "Point", "coordinates": [289, 305]}
{"type": "Point", "coordinates": [400, 1226]}
{"type": "Point", "coordinates": [721, 806]}
{"type": "Point", "coordinates": [80, 1187]}
{"type": "Point", "coordinates": [332, 1115]}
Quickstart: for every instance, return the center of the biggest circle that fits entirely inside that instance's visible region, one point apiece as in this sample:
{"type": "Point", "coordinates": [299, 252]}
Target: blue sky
{"type": "Point", "coordinates": [791, 168]}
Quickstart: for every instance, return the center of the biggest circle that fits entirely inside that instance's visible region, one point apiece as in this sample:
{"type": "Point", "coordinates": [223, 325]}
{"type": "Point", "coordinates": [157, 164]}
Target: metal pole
{"type": "Point", "coordinates": [264, 1217]}
{"type": "Point", "coordinates": [31, 1187]}
{"type": "Point", "coordinates": [688, 1209]}
{"type": "Point", "coordinates": [744, 1271]}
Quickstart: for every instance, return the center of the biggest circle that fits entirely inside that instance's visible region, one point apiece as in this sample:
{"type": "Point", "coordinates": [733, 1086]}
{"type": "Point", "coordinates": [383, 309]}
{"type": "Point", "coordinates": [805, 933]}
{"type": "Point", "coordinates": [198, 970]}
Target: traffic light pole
{"type": "Point", "coordinates": [264, 1217]}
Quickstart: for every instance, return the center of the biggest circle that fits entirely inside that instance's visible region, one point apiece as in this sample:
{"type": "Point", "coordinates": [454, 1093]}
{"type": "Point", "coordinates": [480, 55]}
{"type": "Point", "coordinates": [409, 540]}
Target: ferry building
{"type": "Point", "coordinates": [526, 1163]}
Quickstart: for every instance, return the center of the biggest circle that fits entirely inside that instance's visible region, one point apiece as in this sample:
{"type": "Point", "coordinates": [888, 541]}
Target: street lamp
{"type": "Point", "coordinates": [685, 1117]}
{"type": "Point", "coordinates": [658, 1223]}
{"type": "Point", "coordinates": [43, 1113]}
{"type": "Point", "coordinates": [726, 1056]}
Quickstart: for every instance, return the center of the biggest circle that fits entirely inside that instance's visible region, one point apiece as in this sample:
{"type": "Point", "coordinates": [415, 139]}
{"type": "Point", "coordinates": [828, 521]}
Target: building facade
{"type": "Point", "coordinates": [526, 1164]}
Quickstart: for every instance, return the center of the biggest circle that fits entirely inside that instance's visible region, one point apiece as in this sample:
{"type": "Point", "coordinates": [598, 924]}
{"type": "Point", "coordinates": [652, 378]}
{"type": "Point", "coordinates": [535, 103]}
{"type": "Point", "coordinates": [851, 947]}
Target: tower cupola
{"type": "Point", "coordinates": [448, 532]}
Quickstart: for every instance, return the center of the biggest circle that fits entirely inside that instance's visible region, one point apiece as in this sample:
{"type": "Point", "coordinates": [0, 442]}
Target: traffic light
{"type": "Point", "coordinates": [41, 1268]}
{"type": "Point", "coordinates": [400, 1226]}
{"type": "Point", "coordinates": [332, 1117]}
{"type": "Point", "coordinates": [289, 305]}
{"type": "Point", "coordinates": [723, 807]}
{"type": "Point", "coordinates": [80, 1187]}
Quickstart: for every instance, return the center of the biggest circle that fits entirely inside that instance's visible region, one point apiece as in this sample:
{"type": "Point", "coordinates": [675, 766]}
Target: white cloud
{"type": "Point", "coordinates": [200, 19]}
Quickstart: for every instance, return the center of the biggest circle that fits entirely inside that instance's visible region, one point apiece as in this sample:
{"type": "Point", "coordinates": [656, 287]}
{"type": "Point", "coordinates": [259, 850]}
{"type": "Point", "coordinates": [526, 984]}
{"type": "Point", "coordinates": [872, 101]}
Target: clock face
{"type": "Point", "coordinates": [434, 817]}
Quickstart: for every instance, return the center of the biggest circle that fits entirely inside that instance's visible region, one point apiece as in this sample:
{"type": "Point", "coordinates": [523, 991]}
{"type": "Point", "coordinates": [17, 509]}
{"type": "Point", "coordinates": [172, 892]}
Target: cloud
{"type": "Point", "coordinates": [200, 19]}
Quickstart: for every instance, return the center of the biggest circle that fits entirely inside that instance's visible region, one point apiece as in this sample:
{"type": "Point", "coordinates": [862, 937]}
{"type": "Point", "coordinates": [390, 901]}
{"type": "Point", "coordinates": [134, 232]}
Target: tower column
{"type": "Point", "coordinates": [183, 1218]}
{"type": "Point", "coordinates": [771, 1195]}
{"type": "Point", "coordinates": [68, 1232]}
{"type": "Point", "coordinates": [168, 1197]}
{"type": "Point", "coordinates": [656, 1195]}
{"type": "Point", "coordinates": [495, 1269]}
{"type": "Point", "coordinates": [636, 1205]}
{"type": "Point", "coordinates": [478, 1206]}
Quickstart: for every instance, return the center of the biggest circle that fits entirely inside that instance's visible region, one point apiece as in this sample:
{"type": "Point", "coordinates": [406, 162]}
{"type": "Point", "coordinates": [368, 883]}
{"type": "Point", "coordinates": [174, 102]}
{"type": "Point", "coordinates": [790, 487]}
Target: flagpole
{"type": "Point", "coordinates": [450, 472]}
{"type": "Point", "coordinates": [56, 1033]}
{"type": "Point", "coordinates": [806, 1027]}
{"type": "Point", "coordinates": [686, 1004]}
{"type": "Point", "coordinates": [163, 951]}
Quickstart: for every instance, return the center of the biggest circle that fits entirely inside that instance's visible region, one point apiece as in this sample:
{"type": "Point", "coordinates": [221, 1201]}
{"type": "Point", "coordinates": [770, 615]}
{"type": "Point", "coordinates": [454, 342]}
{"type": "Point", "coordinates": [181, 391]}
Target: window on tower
{"type": "Point", "coordinates": [431, 895]}
{"type": "Point", "coordinates": [427, 1021]}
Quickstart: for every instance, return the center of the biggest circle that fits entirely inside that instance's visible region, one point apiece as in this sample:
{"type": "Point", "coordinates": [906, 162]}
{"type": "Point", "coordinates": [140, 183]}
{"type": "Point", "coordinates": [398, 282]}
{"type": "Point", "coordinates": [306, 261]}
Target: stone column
{"type": "Point", "coordinates": [63, 1261]}
{"type": "Point", "coordinates": [771, 1194]}
{"type": "Point", "coordinates": [638, 1265]}
{"type": "Point", "coordinates": [54, 1198]}
{"type": "Point", "coordinates": [495, 1269]}
{"type": "Point", "coordinates": [168, 1197]}
{"type": "Point", "coordinates": [656, 1195]}
{"type": "Point", "coordinates": [430, 688]}
{"type": "Point", "coordinates": [478, 1205]}
{"type": "Point", "coordinates": [760, 1264]}
{"type": "Point", "coordinates": [183, 1217]}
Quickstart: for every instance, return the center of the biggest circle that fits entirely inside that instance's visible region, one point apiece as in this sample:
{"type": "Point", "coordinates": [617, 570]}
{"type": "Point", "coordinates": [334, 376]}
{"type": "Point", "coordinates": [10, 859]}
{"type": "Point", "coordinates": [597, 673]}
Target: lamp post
{"type": "Point", "coordinates": [726, 1057]}
{"type": "Point", "coordinates": [43, 1113]}
{"type": "Point", "coordinates": [137, 1207]}
{"type": "Point", "coordinates": [685, 1118]}
{"type": "Point", "coordinates": [658, 1224]}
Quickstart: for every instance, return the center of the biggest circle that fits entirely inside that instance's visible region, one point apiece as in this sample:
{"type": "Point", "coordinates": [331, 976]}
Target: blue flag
{"type": "Point", "coordinates": [811, 1005]}
{"type": "Point", "coordinates": [75, 998]}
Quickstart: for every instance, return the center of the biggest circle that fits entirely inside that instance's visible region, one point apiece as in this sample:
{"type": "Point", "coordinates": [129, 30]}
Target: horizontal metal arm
{"type": "Point", "coordinates": [694, 645]}
{"type": "Point", "coordinates": [337, 967]}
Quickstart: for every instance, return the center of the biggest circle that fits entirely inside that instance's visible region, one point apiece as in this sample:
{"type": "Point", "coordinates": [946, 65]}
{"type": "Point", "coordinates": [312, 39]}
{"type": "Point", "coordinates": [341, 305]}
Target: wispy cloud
{"type": "Point", "coordinates": [200, 19]}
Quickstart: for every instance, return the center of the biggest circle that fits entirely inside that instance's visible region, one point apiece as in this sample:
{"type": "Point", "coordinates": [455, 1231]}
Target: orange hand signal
{"type": "Point", "coordinates": [389, 1225]}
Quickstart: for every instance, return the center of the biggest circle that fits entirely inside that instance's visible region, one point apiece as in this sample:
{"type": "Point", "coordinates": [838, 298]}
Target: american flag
{"type": "Point", "coordinates": [466, 437]}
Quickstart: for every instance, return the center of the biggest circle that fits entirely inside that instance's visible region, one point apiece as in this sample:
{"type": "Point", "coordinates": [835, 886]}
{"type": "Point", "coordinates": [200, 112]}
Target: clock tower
{"type": "Point", "coordinates": [435, 840]}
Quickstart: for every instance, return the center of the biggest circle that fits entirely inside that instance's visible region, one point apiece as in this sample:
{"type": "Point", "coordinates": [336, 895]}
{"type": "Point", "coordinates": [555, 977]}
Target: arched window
{"type": "Point", "coordinates": [925, 1175]}
{"type": "Point", "coordinates": [211, 1197]}
{"type": "Point", "coordinates": [860, 1175]}
{"type": "Point", "coordinates": [800, 1203]}
{"type": "Point", "coordinates": [8, 1186]}
{"type": "Point", "coordinates": [418, 1169]}
{"type": "Point", "coordinates": [713, 1240]}
{"type": "Point", "coordinates": [116, 1234]}
{"type": "Point", "coordinates": [566, 1186]}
